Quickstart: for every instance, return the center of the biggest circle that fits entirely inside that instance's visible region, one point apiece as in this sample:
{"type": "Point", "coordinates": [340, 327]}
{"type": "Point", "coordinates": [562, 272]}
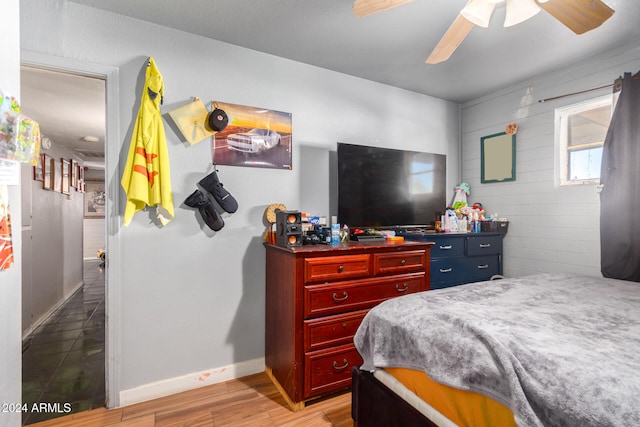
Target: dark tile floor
{"type": "Point", "coordinates": [63, 360]}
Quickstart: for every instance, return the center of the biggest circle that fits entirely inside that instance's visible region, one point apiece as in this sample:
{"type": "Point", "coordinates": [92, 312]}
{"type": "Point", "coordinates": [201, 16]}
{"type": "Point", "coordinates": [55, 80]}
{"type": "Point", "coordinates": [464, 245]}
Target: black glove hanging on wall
{"type": "Point", "coordinates": [211, 217]}
{"type": "Point", "coordinates": [212, 184]}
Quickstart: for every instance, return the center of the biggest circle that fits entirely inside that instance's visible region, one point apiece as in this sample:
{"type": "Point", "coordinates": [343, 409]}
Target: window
{"type": "Point", "coordinates": [580, 132]}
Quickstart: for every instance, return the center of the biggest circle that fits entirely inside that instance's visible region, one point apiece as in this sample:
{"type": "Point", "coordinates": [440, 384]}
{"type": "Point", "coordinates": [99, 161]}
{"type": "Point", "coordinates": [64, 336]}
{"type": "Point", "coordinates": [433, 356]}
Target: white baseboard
{"type": "Point", "coordinates": [191, 381]}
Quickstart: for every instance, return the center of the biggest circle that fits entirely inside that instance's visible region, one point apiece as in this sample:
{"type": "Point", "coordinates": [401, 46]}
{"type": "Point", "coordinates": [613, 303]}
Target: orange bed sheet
{"type": "Point", "coordinates": [465, 408]}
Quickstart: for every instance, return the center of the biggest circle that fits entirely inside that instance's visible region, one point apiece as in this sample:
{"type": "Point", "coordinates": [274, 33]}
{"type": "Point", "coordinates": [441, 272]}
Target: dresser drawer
{"type": "Point", "coordinates": [447, 247]}
{"type": "Point", "coordinates": [451, 270]}
{"type": "Point", "coordinates": [484, 245]}
{"type": "Point", "coordinates": [399, 262]}
{"type": "Point", "coordinates": [484, 267]}
{"type": "Point", "coordinates": [336, 268]}
{"type": "Point", "coordinates": [334, 298]}
{"type": "Point", "coordinates": [455, 271]}
{"type": "Point", "coordinates": [331, 331]}
{"type": "Point", "coordinates": [329, 370]}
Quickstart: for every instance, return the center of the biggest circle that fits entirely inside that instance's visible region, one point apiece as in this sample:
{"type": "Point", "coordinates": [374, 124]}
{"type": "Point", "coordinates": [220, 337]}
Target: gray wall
{"type": "Point", "coordinates": [10, 294]}
{"type": "Point", "coordinates": [552, 229]}
{"type": "Point", "coordinates": [52, 228]}
{"type": "Point", "coordinates": [184, 299]}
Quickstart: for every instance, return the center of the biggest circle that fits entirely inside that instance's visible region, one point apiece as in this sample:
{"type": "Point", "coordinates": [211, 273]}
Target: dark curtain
{"type": "Point", "coordinates": [620, 196]}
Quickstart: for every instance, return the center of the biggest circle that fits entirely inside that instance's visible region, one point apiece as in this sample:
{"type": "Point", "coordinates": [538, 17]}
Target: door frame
{"type": "Point", "coordinates": [112, 223]}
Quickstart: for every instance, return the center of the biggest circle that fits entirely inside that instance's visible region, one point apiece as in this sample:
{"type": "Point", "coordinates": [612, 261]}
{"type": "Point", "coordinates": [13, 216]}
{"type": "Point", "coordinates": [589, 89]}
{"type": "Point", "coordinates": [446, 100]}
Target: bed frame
{"type": "Point", "coordinates": [374, 404]}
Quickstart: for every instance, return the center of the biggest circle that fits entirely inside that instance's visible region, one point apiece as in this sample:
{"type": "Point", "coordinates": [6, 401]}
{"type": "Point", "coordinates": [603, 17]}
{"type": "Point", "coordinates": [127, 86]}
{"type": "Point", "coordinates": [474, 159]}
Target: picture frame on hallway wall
{"type": "Point", "coordinates": [73, 171]}
{"type": "Point", "coordinates": [38, 172]}
{"type": "Point", "coordinates": [47, 163]}
{"type": "Point", "coordinates": [56, 175]}
{"type": "Point", "coordinates": [65, 176]}
{"type": "Point", "coordinates": [94, 199]}
{"type": "Point", "coordinates": [80, 184]}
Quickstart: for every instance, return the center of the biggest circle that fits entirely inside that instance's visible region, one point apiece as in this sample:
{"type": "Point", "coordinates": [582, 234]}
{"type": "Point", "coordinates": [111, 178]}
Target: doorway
{"type": "Point", "coordinates": [64, 278]}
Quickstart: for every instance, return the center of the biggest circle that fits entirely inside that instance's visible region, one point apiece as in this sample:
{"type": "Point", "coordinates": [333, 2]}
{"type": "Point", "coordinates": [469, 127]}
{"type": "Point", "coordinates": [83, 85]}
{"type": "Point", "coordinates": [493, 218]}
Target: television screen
{"type": "Point", "coordinates": [383, 187]}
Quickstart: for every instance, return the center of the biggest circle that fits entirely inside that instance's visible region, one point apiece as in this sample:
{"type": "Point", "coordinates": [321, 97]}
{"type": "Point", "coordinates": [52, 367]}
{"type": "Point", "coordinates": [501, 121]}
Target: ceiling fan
{"type": "Point", "coordinates": [579, 16]}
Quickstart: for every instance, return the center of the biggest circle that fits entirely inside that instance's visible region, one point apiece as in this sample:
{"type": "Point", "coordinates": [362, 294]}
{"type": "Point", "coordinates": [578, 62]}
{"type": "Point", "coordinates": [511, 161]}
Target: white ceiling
{"type": "Point", "coordinates": [68, 108]}
{"type": "Point", "coordinates": [391, 46]}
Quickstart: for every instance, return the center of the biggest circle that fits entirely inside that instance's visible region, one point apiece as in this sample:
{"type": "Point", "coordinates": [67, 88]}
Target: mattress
{"type": "Point", "coordinates": [412, 398]}
{"type": "Point", "coordinates": [446, 406]}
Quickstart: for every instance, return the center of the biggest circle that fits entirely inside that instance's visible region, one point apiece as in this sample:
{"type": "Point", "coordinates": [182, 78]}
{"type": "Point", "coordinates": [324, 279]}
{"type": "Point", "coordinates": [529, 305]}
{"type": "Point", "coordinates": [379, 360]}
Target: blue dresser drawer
{"type": "Point", "coordinates": [479, 245]}
{"type": "Point", "coordinates": [451, 270]}
{"type": "Point", "coordinates": [482, 268]}
{"type": "Point", "coordinates": [455, 271]}
{"type": "Point", "coordinates": [447, 247]}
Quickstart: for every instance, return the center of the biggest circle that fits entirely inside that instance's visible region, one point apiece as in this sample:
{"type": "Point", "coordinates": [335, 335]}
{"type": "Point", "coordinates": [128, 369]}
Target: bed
{"type": "Point", "coordinates": [543, 350]}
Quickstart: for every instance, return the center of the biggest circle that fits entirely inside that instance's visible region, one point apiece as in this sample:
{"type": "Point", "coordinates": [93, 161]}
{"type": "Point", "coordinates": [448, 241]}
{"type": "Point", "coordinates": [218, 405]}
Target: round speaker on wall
{"type": "Point", "coordinates": [217, 120]}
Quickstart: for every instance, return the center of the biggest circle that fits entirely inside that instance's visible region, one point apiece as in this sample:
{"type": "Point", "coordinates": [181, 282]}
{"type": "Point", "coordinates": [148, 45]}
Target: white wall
{"type": "Point", "coordinates": [10, 280]}
{"type": "Point", "coordinates": [93, 237]}
{"type": "Point", "coordinates": [94, 229]}
{"type": "Point", "coordinates": [184, 300]}
{"type": "Point", "coordinates": [52, 230]}
{"type": "Point", "coordinates": [552, 229]}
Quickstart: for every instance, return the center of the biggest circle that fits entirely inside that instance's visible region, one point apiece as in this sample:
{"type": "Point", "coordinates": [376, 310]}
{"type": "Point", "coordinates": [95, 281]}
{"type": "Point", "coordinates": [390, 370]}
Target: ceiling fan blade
{"type": "Point", "coordinates": [579, 16]}
{"type": "Point", "coordinates": [451, 40]}
{"type": "Point", "coordinates": [367, 7]}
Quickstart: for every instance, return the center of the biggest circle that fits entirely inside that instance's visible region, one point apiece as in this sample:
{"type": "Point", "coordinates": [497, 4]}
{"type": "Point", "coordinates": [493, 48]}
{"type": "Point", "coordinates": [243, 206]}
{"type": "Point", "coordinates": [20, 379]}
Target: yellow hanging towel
{"type": "Point", "coordinates": [146, 179]}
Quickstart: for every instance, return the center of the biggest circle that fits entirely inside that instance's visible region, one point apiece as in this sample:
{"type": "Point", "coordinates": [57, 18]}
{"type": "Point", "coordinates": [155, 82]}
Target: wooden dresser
{"type": "Point", "coordinates": [316, 297]}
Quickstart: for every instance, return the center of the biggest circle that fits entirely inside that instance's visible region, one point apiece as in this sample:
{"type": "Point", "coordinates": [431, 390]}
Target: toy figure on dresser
{"type": "Point", "coordinates": [460, 196]}
{"type": "Point", "coordinates": [460, 217]}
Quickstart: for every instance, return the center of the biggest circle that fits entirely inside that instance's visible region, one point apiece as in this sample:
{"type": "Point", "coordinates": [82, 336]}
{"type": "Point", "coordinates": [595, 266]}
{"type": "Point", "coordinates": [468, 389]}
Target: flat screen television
{"type": "Point", "coordinates": [389, 188]}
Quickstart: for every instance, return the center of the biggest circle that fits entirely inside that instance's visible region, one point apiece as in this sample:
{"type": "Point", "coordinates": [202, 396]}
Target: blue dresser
{"type": "Point", "coordinates": [458, 258]}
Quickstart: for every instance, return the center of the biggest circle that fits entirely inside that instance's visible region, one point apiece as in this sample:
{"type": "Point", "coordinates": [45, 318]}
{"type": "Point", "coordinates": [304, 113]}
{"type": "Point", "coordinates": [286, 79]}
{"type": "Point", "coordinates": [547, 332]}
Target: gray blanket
{"type": "Point", "coordinates": [558, 350]}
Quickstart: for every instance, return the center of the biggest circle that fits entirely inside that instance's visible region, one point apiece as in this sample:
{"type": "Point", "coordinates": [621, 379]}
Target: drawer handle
{"type": "Point", "coordinates": [403, 262]}
{"type": "Point", "coordinates": [482, 267]}
{"type": "Point", "coordinates": [404, 289]}
{"type": "Point", "coordinates": [485, 245]}
{"type": "Point", "coordinates": [446, 248]}
{"type": "Point", "coordinates": [344, 296]}
{"type": "Point", "coordinates": [341, 368]}
{"type": "Point", "coordinates": [446, 270]}
{"type": "Point", "coordinates": [340, 268]}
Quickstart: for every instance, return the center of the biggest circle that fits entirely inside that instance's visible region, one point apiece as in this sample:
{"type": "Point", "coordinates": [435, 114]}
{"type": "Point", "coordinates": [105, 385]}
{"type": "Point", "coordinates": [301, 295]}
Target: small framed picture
{"type": "Point", "coordinates": [47, 164]}
{"type": "Point", "coordinates": [65, 184]}
{"type": "Point", "coordinates": [56, 176]}
{"type": "Point", "coordinates": [38, 173]}
{"type": "Point", "coordinates": [80, 174]}
{"type": "Point", "coordinates": [94, 199]}
{"type": "Point", "coordinates": [73, 171]}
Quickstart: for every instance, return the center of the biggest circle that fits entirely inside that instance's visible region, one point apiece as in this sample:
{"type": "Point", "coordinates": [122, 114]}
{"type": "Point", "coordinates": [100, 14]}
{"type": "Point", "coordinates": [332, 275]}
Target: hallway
{"type": "Point", "coordinates": [63, 360]}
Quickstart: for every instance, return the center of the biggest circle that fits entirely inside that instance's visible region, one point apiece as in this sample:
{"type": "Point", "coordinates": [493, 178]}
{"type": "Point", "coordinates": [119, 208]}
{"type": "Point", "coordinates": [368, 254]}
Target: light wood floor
{"type": "Point", "coordinates": [248, 401]}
